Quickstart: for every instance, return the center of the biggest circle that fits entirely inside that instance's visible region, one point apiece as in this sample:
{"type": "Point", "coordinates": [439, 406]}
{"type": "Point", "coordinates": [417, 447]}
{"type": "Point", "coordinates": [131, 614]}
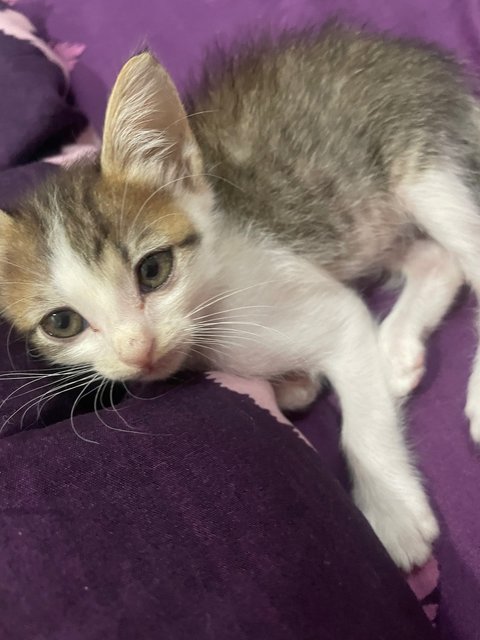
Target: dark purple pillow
{"type": "Point", "coordinates": [208, 520]}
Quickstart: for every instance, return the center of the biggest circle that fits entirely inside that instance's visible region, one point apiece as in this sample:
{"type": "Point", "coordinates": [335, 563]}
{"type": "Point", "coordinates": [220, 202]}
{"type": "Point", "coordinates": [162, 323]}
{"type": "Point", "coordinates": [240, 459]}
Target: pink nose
{"type": "Point", "coordinates": [138, 352]}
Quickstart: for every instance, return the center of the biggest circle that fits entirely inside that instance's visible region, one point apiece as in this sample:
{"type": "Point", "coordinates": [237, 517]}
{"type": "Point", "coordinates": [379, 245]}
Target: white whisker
{"type": "Point", "coordinates": [22, 268]}
{"type": "Point", "coordinates": [3, 310]}
{"type": "Point", "coordinates": [225, 295]}
{"type": "Point", "coordinates": [73, 410]}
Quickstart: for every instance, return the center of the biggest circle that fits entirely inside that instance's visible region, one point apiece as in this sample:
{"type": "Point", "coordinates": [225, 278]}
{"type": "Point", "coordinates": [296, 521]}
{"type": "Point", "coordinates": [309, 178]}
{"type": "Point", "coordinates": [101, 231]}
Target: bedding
{"type": "Point", "coordinates": [100, 509]}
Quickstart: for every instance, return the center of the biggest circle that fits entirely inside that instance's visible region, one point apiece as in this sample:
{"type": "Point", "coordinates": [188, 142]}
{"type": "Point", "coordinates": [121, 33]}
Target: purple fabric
{"type": "Point", "coordinates": [212, 521]}
{"type": "Point", "coordinates": [46, 118]}
{"type": "Point", "coordinates": [179, 32]}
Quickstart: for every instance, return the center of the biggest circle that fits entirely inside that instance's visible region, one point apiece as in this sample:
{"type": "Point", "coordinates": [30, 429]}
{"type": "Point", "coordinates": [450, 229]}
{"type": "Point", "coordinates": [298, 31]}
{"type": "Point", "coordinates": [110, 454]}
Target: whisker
{"type": "Point", "coordinates": [225, 295]}
{"type": "Point", "coordinates": [42, 373]}
{"type": "Point", "coordinates": [190, 115]}
{"type": "Point", "coordinates": [50, 394]}
{"type": "Point", "coordinates": [226, 324]}
{"type": "Point", "coordinates": [73, 410]}
{"type": "Point", "coordinates": [228, 312]}
{"type": "Point", "coordinates": [5, 309]}
{"type": "Point", "coordinates": [22, 268]}
{"type": "Point", "coordinates": [27, 406]}
{"type": "Point", "coordinates": [8, 347]}
{"type": "Point", "coordinates": [122, 209]}
{"type": "Point", "coordinates": [112, 404]}
{"type": "Point", "coordinates": [130, 429]}
{"type": "Point", "coordinates": [142, 231]}
{"type": "Point", "coordinates": [160, 395]}
{"type": "Point", "coordinates": [175, 180]}
{"type": "Point", "coordinates": [15, 394]}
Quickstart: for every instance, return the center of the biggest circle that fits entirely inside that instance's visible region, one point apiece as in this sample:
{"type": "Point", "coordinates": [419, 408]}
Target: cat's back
{"type": "Point", "coordinates": [310, 88]}
{"type": "Point", "coordinates": [311, 123]}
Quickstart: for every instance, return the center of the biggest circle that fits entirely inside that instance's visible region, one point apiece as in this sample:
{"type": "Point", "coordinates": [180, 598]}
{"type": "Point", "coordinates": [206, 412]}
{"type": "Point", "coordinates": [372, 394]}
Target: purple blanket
{"type": "Point", "coordinates": [218, 513]}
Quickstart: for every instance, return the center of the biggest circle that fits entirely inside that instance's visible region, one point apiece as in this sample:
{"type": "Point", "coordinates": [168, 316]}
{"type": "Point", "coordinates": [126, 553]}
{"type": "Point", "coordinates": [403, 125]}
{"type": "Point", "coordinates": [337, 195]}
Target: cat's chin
{"type": "Point", "coordinates": [165, 367]}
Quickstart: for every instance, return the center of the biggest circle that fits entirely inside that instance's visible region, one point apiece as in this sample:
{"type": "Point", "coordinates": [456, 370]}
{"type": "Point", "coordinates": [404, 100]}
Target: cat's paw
{"type": "Point", "coordinates": [296, 393]}
{"type": "Point", "coordinates": [406, 526]}
{"type": "Point", "coordinates": [405, 361]}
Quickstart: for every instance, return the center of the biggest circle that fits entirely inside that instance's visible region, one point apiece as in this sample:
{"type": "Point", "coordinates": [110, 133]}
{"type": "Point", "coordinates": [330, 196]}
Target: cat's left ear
{"type": "Point", "coordinates": [6, 226]}
{"type": "Point", "coordinates": [146, 133]}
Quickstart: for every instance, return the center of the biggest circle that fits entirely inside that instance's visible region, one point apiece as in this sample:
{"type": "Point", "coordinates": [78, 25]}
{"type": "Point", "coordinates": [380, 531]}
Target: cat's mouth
{"type": "Point", "coordinates": [162, 368]}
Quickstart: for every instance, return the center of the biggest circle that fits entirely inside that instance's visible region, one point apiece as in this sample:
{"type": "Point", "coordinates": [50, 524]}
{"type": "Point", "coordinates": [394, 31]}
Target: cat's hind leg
{"type": "Point", "coordinates": [447, 208]}
{"type": "Point", "coordinates": [432, 278]}
{"type": "Point", "coordinates": [296, 392]}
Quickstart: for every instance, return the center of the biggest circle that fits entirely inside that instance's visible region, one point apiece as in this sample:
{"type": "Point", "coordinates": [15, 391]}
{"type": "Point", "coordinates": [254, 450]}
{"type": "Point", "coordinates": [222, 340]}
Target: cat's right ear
{"type": "Point", "coordinates": [146, 132]}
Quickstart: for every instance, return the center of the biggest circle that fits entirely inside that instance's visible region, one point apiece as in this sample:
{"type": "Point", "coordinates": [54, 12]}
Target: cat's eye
{"type": "Point", "coordinates": [63, 323]}
{"type": "Point", "coordinates": [154, 270]}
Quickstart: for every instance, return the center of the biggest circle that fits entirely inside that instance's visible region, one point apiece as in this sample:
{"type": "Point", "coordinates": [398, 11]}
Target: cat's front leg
{"type": "Point", "coordinates": [386, 485]}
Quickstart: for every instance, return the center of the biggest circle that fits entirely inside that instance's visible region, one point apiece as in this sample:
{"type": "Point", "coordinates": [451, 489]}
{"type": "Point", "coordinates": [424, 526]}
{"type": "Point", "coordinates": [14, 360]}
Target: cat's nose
{"type": "Point", "coordinates": [138, 352]}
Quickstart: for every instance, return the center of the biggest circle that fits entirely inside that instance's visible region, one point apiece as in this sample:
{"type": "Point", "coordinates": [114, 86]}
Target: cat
{"type": "Point", "coordinates": [230, 238]}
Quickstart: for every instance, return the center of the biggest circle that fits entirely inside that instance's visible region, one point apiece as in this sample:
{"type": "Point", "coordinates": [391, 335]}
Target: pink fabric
{"type": "Point", "coordinates": [422, 582]}
{"type": "Point", "coordinates": [88, 143]}
{"type": "Point", "coordinates": [260, 391]}
{"type": "Point", "coordinates": [69, 53]}
{"type": "Point", "coordinates": [17, 25]}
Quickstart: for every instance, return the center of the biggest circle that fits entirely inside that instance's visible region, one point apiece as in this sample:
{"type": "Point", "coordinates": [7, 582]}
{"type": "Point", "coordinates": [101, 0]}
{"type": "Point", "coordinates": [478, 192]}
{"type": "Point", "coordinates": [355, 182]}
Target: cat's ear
{"type": "Point", "coordinates": [6, 225]}
{"type": "Point", "coordinates": [146, 133]}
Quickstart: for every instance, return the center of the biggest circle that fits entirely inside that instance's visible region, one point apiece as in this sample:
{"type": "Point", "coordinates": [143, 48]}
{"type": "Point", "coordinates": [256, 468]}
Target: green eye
{"type": "Point", "coordinates": [63, 323]}
{"type": "Point", "coordinates": [154, 270]}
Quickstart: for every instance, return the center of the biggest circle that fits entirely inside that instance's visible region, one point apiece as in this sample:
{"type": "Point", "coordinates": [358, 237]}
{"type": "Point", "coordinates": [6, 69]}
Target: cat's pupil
{"type": "Point", "coordinates": [61, 320]}
{"type": "Point", "coordinates": [150, 268]}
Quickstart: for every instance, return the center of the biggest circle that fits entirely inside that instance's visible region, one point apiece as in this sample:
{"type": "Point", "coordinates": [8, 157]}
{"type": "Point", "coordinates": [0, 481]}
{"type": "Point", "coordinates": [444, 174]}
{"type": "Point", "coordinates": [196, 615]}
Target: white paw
{"type": "Point", "coordinates": [405, 525]}
{"type": "Point", "coordinates": [405, 362]}
{"type": "Point", "coordinates": [296, 393]}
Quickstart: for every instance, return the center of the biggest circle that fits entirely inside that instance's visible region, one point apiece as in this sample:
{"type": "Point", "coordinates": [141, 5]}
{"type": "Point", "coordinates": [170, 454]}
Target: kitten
{"type": "Point", "coordinates": [229, 239]}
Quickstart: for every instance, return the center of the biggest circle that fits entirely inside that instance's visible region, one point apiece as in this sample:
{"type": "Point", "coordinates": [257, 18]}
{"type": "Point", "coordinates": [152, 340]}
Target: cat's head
{"type": "Point", "coordinates": [106, 263]}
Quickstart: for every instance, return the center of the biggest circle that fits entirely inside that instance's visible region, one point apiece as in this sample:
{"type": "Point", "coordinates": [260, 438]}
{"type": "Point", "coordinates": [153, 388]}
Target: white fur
{"type": "Point", "coordinates": [444, 206]}
{"type": "Point", "coordinates": [432, 278]}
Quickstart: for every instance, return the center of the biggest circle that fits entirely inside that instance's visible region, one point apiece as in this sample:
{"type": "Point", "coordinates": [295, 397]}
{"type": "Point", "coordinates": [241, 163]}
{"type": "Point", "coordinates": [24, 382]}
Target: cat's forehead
{"type": "Point", "coordinates": [95, 212]}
